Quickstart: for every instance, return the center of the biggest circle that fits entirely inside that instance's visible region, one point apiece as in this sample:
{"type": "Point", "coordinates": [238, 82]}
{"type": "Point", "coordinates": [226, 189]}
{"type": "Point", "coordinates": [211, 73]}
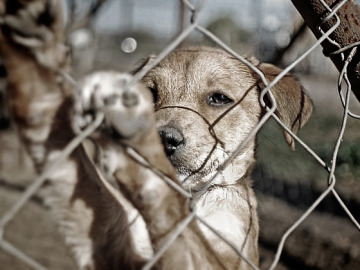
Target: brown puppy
{"type": "Point", "coordinates": [206, 104]}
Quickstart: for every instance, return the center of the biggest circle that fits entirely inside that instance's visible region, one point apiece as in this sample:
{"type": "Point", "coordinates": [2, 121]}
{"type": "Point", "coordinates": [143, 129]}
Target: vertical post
{"type": "Point", "coordinates": [348, 32]}
{"type": "Point", "coordinates": [181, 19]}
{"type": "Point", "coordinates": [181, 16]}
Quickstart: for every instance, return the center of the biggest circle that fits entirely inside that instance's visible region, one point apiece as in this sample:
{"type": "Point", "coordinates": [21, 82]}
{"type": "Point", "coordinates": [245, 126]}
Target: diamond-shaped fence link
{"type": "Point", "coordinates": [345, 88]}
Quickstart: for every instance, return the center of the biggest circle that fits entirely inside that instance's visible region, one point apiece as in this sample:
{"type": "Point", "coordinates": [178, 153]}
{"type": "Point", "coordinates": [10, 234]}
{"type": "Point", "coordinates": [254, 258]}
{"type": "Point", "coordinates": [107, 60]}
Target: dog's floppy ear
{"type": "Point", "coordinates": [294, 106]}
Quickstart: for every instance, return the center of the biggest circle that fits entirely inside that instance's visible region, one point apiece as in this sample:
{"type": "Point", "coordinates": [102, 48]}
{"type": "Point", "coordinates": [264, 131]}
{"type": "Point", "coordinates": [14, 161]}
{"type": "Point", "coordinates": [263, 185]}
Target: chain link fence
{"type": "Point", "coordinates": [345, 88]}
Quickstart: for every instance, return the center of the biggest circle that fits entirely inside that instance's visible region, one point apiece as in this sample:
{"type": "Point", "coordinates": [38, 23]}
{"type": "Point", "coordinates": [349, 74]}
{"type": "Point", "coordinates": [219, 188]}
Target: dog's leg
{"type": "Point", "coordinates": [90, 216]}
{"type": "Point", "coordinates": [162, 207]}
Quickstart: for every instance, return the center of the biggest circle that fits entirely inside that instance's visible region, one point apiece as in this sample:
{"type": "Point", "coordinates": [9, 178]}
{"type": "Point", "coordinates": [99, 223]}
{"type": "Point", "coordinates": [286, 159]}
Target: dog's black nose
{"type": "Point", "coordinates": [171, 138]}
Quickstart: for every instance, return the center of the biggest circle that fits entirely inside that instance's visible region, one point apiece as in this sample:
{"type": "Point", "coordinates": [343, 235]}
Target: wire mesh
{"type": "Point", "coordinates": [270, 113]}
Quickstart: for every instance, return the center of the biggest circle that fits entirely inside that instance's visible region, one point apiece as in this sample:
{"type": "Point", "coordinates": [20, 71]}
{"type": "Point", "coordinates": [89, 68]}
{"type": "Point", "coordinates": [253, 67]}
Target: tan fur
{"type": "Point", "coordinates": [182, 83]}
{"type": "Point", "coordinates": [118, 223]}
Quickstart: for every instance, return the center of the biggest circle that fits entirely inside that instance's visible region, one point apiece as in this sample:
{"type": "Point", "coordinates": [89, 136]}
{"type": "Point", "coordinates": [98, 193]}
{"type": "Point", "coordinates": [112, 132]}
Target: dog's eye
{"type": "Point", "coordinates": [155, 94]}
{"type": "Point", "coordinates": [218, 99]}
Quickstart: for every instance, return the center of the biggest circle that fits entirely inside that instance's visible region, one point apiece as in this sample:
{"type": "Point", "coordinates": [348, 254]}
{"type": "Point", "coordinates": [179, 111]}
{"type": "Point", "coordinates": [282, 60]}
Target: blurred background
{"type": "Point", "coordinates": [117, 34]}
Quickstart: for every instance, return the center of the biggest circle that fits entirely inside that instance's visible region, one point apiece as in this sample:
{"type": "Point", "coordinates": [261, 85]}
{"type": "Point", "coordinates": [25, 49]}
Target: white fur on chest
{"type": "Point", "coordinates": [224, 210]}
{"type": "Point", "coordinates": [220, 208]}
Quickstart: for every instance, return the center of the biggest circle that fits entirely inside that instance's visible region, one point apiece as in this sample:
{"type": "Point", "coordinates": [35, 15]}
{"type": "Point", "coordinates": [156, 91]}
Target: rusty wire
{"type": "Point", "coordinates": [270, 113]}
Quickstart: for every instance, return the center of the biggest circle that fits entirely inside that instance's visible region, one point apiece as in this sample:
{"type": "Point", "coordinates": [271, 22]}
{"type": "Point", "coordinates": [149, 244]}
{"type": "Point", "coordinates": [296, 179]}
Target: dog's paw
{"type": "Point", "coordinates": [30, 23]}
{"type": "Point", "coordinates": [127, 108]}
{"type": "Point", "coordinates": [36, 28]}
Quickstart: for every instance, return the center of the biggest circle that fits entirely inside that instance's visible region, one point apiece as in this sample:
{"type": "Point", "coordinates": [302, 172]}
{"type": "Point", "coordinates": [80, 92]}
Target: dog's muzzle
{"type": "Point", "coordinates": [172, 139]}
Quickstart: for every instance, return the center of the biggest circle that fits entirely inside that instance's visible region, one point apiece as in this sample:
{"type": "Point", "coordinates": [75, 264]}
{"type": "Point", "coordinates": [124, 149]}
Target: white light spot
{"type": "Point", "coordinates": [81, 38]}
{"type": "Point", "coordinates": [129, 45]}
{"type": "Point", "coordinates": [282, 38]}
{"type": "Point", "coordinates": [271, 23]}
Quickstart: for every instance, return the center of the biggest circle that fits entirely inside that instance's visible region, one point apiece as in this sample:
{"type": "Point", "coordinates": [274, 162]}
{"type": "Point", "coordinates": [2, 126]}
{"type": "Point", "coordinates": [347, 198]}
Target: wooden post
{"type": "Point", "coordinates": [346, 33]}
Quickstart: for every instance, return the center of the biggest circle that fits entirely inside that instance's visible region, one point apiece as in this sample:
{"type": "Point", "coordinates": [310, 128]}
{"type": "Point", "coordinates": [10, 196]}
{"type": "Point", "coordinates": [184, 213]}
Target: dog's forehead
{"type": "Point", "coordinates": [201, 63]}
{"type": "Point", "coordinates": [187, 70]}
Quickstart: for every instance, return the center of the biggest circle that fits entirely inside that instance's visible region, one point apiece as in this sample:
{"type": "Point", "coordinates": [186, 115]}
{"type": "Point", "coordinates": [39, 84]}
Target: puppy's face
{"type": "Point", "coordinates": [206, 103]}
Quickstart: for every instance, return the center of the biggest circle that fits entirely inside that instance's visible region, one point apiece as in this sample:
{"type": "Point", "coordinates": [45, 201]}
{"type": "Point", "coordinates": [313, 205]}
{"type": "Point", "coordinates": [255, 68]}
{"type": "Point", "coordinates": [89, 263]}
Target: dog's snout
{"type": "Point", "coordinates": [171, 138]}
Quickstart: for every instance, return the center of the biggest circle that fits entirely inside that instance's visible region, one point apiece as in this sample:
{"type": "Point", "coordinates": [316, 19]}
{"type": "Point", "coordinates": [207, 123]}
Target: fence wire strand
{"type": "Point", "coordinates": [270, 113]}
